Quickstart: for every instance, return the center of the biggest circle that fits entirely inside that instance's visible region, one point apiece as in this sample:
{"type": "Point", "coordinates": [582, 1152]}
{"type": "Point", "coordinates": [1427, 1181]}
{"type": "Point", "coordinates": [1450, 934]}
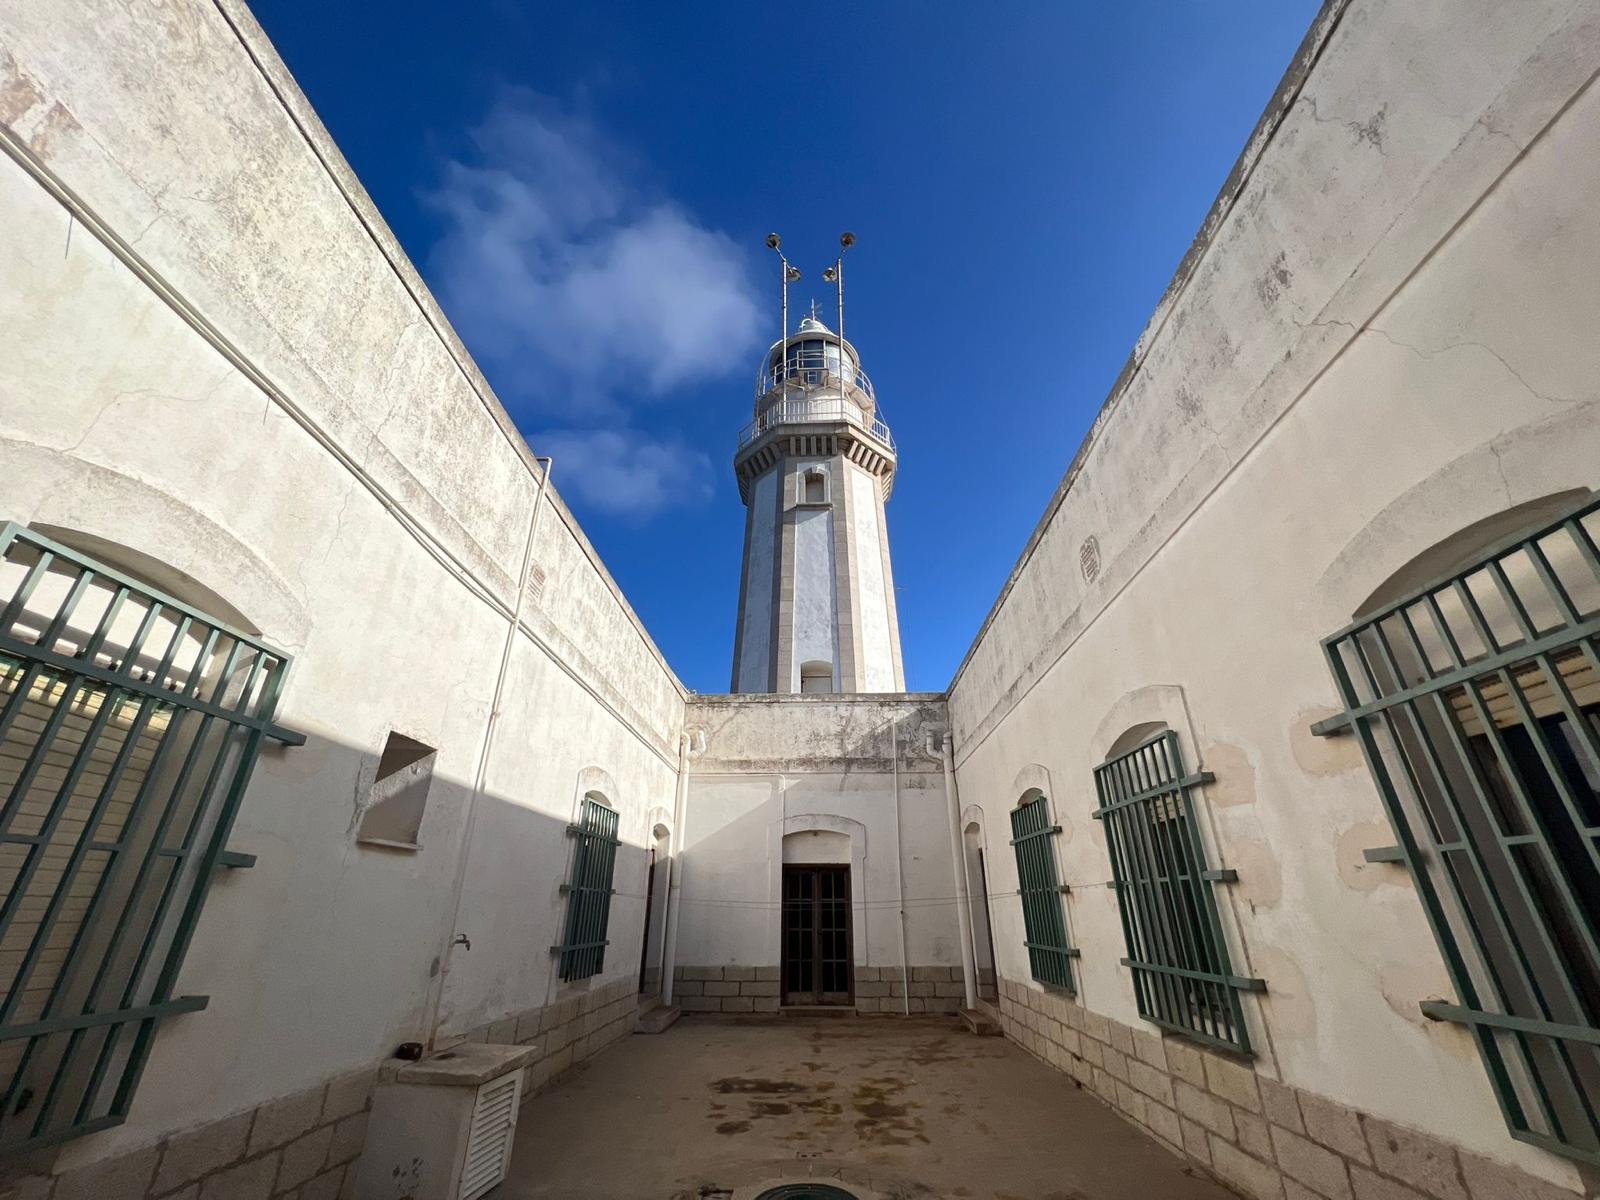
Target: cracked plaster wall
{"type": "Point", "coordinates": [775, 762]}
{"type": "Point", "coordinates": [215, 354]}
{"type": "Point", "coordinates": [1387, 337]}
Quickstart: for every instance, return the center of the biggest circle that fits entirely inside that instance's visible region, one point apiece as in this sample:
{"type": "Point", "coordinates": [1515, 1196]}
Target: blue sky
{"type": "Point", "coordinates": [587, 187]}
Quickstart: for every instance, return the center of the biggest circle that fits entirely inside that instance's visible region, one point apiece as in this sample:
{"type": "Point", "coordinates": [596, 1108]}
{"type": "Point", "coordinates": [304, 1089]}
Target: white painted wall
{"type": "Point", "coordinates": [1386, 338]}
{"type": "Point", "coordinates": [755, 646]}
{"type": "Point", "coordinates": [777, 765]}
{"type": "Point", "coordinates": [816, 596]}
{"type": "Point", "coordinates": [872, 590]}
{"type": "Point", "coordinates": [327, 459]}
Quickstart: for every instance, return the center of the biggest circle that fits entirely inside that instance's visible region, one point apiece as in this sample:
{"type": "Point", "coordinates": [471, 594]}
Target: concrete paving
{"type": "Point", "coordinates": [906, 1107]}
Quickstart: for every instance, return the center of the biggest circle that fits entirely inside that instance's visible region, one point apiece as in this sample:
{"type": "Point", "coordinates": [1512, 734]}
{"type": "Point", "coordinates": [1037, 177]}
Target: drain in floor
{"type": "Point", "coordinates": [806, 1191]}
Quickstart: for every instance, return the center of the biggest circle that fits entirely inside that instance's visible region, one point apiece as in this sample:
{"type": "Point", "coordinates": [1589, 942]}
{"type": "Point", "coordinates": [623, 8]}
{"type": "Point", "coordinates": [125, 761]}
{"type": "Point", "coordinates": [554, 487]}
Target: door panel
{"type": "Point", "coordinates": [816, 935]}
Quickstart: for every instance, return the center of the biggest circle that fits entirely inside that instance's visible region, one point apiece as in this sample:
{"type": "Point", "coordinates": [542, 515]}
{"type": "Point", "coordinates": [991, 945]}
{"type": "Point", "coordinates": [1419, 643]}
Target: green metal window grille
{"type": "Point", "coordinates": [1182, 978]}
{"type": "Point", "coordinates": [1049, 953]}
{"type": "Point", "coordinates": [1476, 703]}
{"type": "Point", "coordinates": [589, 892]}
{"type": "Point", "coordinates": [129, 726]}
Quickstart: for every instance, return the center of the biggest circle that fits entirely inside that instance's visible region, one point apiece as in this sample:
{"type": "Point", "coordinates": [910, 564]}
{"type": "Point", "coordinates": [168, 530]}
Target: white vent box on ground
{"type": "Point", "coordinates": [441, 1128]}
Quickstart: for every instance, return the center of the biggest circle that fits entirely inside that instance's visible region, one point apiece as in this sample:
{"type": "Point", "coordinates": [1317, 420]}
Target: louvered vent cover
{"type": "Point", "coordinates": [1089, 558]}
{"type": "Point", "coordinates": [494, 1121]}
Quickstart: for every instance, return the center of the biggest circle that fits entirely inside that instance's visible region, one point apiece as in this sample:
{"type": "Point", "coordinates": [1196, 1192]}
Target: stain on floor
{"type": "Point", "coordinates": [908, 1108]}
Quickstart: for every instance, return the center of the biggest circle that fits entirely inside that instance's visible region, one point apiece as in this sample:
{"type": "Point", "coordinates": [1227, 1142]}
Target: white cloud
{"type": "Point", "coordinates": [582, 296]}
{"type": "Point", "coordinates": [625, 472]}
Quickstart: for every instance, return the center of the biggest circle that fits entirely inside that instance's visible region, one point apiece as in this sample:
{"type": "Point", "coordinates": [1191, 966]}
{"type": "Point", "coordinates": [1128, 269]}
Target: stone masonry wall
{"type": "Point", "coordinates": [567, 1032]}
{"type": "Point", "coordinates": [1259, 1136]}
{"type": "Point", "coordinates": [297, 1147]}
{"type": "Point", "coordinates": [759, 989]}
{"type": "Point", "coordinates": [304, 1146]}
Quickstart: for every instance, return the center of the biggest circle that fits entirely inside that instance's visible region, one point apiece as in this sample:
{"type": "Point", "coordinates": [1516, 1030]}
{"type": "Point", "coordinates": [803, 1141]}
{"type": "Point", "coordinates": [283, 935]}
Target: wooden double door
{"type": "Point", "coordinates": [816, 935]}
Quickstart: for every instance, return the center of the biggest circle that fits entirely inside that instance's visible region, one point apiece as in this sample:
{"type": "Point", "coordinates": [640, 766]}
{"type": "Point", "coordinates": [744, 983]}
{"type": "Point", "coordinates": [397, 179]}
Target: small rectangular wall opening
{"type": "Point", "coordinates": [816, 677]}
{"type": "Point", "coordinates": [399, 796]}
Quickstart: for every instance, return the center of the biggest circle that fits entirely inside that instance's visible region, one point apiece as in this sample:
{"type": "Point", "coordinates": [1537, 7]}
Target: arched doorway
{"type": "Point", "coordinates": [655, 910]}
{"type": "Point", "coordinates": [978, 892]}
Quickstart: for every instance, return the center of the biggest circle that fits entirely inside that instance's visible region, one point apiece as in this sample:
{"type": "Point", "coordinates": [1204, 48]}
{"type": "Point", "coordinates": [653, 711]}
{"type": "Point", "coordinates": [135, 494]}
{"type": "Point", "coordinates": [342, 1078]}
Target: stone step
{"type": "Point", "coordinates": [818, 1010]}
{"type": "Point", "coordinates": [979, 1022]}
{"type": "Point", "coordinates": [658, 1018]}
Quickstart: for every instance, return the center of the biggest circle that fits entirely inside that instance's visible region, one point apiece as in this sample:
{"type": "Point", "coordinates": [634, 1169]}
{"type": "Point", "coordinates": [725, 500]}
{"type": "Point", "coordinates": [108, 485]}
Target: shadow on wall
{"type": "Point", "coordinates": [319, 957]}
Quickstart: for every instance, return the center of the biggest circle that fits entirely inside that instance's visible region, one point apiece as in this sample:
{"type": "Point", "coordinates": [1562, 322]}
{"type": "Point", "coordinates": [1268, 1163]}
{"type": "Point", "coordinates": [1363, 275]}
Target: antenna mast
{"type": "Point", "coordinates": [835, 276]}
{"type": "Point", "coordinates": [790, 275]}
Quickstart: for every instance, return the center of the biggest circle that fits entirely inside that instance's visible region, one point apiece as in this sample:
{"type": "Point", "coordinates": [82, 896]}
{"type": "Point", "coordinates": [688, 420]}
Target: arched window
{"type": "Point", "coordinates": [816, 676]}
{"type": "Point", "coordinates": [814, 487]}
{"type": "Point", "coordinates": [1182, 977]}
{"type": "Point", "coordinates": [594, 862]}
{"type": "Point", "coordinates": [1475, 694]}
{"type": "Point", "coordinates": [1049, 953]}
{"type": "Point", "coordinates": [130, 723]}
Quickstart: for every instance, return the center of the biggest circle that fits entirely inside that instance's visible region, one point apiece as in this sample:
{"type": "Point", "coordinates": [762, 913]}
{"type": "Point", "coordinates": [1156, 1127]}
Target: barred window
{"type": "Point", "coordinates": [129, 727]}
{"type": "Point", "coordinates": [1050, 955]}
{"type": "Point", "coordinates": [594, 857]}
{"type": "Point", "coordinates": [1182, 977]}
{"type": "Point", "coordinates": [1476, 702]}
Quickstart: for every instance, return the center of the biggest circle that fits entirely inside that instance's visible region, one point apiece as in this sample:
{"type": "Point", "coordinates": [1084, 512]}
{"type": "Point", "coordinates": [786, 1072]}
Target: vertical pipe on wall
{"type": "Point", "coordinates": [958, 864]}
{"type": "Point", "coordinates": [436, 996]}
{"type": "Point", "coordinates": [669, 938]}
{"type": "Point", "coordinates": [899, 856]}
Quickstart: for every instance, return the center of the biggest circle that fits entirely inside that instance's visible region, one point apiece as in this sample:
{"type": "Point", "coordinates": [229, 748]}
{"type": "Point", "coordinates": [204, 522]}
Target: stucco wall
{"type": "Point", "coordinates": [787, 765]}
{"type": "Point", "coordinates": [816, 623]}
{"type": "Point", "coordinates": [1384, 335]}
{"type": "Point", "coordinates": [217, 356]}
{"type": "Point", "coordinates": [878, 632]}
{"type": "Point", "coordinates": [761, 546]}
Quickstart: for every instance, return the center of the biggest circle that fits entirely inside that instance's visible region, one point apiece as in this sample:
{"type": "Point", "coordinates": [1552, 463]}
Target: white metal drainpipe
{"type": "Point", "coordinates": [436, 1000]}
{"type": "Point", "coordinates": [899, 855]}
{"type": "Point", "coordinates": [969, 966]}
{"type": "Point", "coordinates": [669, 940]}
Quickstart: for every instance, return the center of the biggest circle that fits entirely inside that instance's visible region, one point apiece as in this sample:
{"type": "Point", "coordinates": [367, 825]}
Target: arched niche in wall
{"type": "Point", "coordinates": [595, 782]}
{"type": "Point", "coordinates": [147, 569]}
{"type": "Point", "coordinates": [797, 826]}
{"type": "Point", "coordinates": [1468, 500]}
{"type": "Point", "coordinates": [1141, 713]}
{"type": "Point", "coordinates": [1033, 777]}
{"type": "Point", "coordinates": [172, 545]}
{"type": "Point", "coordinates": [658, 824]}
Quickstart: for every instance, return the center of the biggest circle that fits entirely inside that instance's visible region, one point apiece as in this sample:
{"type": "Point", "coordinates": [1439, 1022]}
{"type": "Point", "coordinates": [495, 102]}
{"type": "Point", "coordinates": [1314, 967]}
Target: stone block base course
{"type": "Point", "coordinates": [759, 989]}
{"type": "Point", "coordinates": [297, 1147]}
{"type": "Point", "coordinates": [1258, 1136]}
{"type": "Point", "coordinates": [304, 1146]}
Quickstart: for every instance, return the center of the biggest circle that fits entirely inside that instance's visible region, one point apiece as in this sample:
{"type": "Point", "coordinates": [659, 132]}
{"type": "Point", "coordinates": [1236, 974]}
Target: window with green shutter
{"type": "Point", "coordinates": [1049, 953]}
{"type": "Point", "coordinates": [1476, 704]}
{"type": "Point", "coordinates": [1182, 979]}
{"type": "Point", "coordinates": [129, 727]}
{"type": "Point", "coordinates": [594, 858]}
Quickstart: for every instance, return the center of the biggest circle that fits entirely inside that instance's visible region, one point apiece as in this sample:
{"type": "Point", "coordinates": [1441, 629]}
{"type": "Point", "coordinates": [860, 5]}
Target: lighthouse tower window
{"type": "Point", "coordinates": [815, 489]}
{"type": "Point", "coordinates": [816, 677]}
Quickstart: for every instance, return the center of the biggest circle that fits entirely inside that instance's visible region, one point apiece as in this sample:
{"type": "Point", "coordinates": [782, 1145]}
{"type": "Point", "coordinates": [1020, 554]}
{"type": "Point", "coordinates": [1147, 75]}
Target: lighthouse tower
{"type": "Point", "coordinates": [815, 468]}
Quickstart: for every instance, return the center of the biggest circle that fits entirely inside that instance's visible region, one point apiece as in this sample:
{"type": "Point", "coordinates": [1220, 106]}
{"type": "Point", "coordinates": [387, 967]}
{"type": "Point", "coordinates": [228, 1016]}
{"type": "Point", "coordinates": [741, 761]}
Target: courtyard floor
{"type": "Point", "coordinates": [901, 1108]}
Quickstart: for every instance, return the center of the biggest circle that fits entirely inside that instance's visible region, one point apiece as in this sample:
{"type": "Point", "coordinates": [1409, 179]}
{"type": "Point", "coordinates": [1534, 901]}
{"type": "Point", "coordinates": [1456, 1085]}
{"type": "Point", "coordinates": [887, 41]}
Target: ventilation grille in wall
{"type": "Point", "coordinates": [536, 584]}
{"type": "Point", "coordinates": [1089, 558]}
{"type": "Point", "coordinates": [494, 1121]}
